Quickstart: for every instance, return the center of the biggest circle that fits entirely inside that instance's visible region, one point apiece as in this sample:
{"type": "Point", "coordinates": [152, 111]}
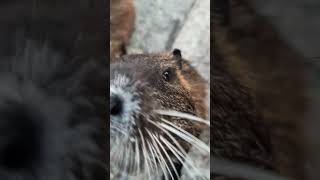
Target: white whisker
{"type": "Point", "coordinates": [181, 153]}
{"type": "Point", "coordinates": [137, 153]}
{"type": "Point", "coordinates": [146, 156]}
{"type": "Point", "coordinates": [118, 130]}
{"type": "Point", "coordinates": [167, 155]}
{"type": "Point", "coordinates": [179, 156]}
{"type": "Point", "coordinates": [162, 161]}
{"type": "Point", "coordinates": [150, 146]}
{"type": "Point", "coordinates": [182, 115]}
{"type": "Point", "coordinates": [125, 163]}
{"type": "Point", "coordinates": [201, 146]}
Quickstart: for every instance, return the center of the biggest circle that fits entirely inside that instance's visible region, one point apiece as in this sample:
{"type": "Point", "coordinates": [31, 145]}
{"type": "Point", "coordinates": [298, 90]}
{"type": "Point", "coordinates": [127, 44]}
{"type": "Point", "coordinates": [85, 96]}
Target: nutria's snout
{"type": "Point", "coordinates": [116, 105]}
{"type": "Point", "coordinates": [130, 103]}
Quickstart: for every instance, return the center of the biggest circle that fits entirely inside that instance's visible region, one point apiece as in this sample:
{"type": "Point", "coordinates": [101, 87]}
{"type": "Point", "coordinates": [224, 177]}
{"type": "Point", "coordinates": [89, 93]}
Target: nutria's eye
{"type": "Point", "coordinates": [166, 75]}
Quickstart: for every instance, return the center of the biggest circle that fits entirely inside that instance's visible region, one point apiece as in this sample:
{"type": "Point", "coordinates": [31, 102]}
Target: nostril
{"type": "Point", "coordinates": [116, 105]}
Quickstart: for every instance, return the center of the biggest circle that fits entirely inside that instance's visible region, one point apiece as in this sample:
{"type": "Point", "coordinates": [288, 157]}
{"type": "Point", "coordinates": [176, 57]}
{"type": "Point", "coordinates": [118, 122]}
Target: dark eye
{"type": "Point", "coordinates": [166, 75]}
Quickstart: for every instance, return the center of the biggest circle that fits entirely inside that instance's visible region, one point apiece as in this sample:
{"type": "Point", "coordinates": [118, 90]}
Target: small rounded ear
{"type": "Point", "coordinates": [176, 53]}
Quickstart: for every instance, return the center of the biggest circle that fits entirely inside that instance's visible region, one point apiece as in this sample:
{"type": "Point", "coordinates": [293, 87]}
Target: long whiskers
{"type": "Point", "coordinates": [152, 155]}
{"type": "Point", "coordinates": [182, 115]}
{"type": "Point", "coordinates": [179, 153]}
{"type": "Point", "coordinates": [162, 161]}
{"type": "Point", "coordinates": [145, 154]}
{"type": "Point", "coordinates": [170, 129]}
{"type": "Point", "coordinates": [167, 155]}
{"type": "Point", "coordinates": [201, 146]}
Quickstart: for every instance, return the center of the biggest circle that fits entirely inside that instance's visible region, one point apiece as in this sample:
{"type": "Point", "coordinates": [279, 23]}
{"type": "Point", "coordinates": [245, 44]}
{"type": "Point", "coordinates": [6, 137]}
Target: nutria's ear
{"type": "Point", "coordinates": [221, 12]}
{"type": "Point", "coordinates": [176, 53]}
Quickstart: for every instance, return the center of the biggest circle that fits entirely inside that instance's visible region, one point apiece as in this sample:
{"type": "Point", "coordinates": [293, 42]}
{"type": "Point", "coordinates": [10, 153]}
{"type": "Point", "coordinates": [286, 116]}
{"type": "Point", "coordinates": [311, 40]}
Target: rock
{"type": "Point", "coordinates": [194, 37]}
{"type": "Point", "coordinates": [157, 24]}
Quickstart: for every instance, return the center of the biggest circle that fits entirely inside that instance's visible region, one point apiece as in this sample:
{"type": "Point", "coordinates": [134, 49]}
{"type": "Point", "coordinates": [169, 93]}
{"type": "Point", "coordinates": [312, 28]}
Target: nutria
{"type": "Point", "coordinates": [122, 16]}
{"type": "Point", "coordinates": [52, 76]}
{"type": "Point", "coordinates": [258, 92]}
{"type": "Point", "coordinates": [143, 87]}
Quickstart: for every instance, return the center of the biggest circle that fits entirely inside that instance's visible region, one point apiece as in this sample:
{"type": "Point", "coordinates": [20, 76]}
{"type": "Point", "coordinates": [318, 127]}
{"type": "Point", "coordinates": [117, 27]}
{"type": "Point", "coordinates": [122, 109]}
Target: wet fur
{"type": "Point", "coordinates": [51, 93]}
{"type": "Point", "coordinates": [184, 92]}
{"type": "Point", "coordinates": [258, 103]}
{"type": "Point", "coordinates": [122, 17]}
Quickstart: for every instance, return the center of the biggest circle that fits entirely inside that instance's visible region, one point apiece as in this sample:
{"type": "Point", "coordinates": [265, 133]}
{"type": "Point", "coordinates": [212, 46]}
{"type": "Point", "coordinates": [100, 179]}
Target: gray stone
{"type": "Point", "coordinates": [194, 37]}
{"type": "Point", "coordinates": [157, 22]}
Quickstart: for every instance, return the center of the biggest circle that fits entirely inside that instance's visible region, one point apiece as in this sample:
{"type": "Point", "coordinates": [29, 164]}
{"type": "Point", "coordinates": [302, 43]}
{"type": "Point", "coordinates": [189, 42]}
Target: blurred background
{"type": "Point", "coordinates": [298, 21]}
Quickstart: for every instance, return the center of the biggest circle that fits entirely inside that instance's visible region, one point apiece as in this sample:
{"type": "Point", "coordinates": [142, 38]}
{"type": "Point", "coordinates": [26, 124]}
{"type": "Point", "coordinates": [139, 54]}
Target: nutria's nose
{"type": "Point", "coordinates": [116, 105]}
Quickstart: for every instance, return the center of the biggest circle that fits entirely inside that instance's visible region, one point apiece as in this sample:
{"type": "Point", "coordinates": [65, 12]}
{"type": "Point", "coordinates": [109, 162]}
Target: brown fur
{"type": "Point", "coordinates": [122, 18]}
{"type": "Point", "coordinates": [184, 92]}
{"type": "Point", "coordinates": [186, 79]}
{"type": "Point", "coordinates": [258, 83]}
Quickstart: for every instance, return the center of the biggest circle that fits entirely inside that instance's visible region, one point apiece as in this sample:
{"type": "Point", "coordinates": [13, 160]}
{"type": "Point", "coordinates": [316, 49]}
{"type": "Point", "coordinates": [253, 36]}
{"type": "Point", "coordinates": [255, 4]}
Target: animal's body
{"type": "Point", "coordinates": [142, 88]}
{"type": "Point", "coordinates": [258, 92]}
{"type": "Point", "coordinates": [122, 16]}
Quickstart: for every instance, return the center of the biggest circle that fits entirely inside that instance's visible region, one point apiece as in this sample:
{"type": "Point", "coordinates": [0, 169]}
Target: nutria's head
{"type": "Point", "coordinates": [146, 94]}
